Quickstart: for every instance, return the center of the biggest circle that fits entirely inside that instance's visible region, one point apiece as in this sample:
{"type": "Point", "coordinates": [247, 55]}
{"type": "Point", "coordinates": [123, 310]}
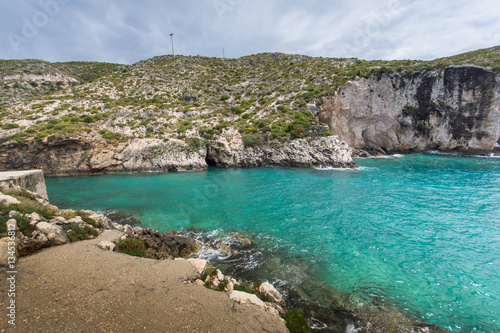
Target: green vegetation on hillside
{"type": "Point", "coordinates": [264, 97]}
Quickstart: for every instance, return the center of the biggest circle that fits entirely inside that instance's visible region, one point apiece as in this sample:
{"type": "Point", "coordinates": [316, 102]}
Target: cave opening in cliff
{"type": "Point", "coordinates": [210, 160]}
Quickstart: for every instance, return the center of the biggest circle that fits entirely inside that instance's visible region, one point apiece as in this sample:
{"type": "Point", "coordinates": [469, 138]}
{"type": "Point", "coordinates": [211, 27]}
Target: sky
{"type": "Point", "coordinates": [127, 31]}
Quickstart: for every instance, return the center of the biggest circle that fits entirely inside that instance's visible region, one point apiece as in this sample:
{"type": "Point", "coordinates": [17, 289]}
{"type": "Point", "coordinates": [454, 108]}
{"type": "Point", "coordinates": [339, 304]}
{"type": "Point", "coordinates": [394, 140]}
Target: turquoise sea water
{"type": "Point", "coordinates": [419, 231]}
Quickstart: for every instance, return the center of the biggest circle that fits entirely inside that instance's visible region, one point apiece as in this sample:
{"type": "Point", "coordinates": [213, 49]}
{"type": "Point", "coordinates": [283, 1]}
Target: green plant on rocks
{"type": "Point", "coordinates": [133, 247]}
{"type": "Point", "coordinates": [77, 233]}
{"type": "Point", "coordinates": [295, 321]}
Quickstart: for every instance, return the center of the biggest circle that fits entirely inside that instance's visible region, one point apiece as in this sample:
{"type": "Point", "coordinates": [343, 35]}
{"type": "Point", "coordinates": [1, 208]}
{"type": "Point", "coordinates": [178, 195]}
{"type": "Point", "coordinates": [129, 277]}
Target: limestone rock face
{"type": "Point", "coordinates": [320, 152]}
{"type": "Point", "coordinates": [457, 108]}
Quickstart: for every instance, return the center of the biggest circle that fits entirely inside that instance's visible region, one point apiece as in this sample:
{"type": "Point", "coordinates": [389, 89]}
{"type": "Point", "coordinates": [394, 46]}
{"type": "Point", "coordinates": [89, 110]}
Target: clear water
{"type": "Point", "coordinates": [422, 231]}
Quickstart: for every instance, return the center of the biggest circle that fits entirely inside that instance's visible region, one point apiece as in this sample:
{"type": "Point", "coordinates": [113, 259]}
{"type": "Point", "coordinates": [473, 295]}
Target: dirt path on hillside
{"type": "Point", "coordinates": [80, 288]}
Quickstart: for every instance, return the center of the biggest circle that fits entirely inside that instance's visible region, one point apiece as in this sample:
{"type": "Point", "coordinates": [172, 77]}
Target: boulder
{"type": "Point", "coordinates": [199, 264]}
{"type": "Point", "coordinates": [55, 234]}
{"type": "Point", "coordinates": [7, 200]}
{"type": "Point", "coordinates": [267, 289]}
{"type": "Point", "coordinates": [215, 283]}
{"type": "Point", "coordinates": [14, 213]}
{"type": "Point", "coordinates": [220, 276]}
{"type": "Point", "coordinates": [35, 218]}
{"type": "Point", "coordinates": [78, 221]}
{"type": "Point", "coordinates": [106, 222]}
{"type": "Point", "coordinates": [107, 245]}
{"type": "Point", "coordinates": [229, 287]}
{"type": "Point", "coordinates": [59, 220]}
{"type": "Point", "coordinates": [246, 298]}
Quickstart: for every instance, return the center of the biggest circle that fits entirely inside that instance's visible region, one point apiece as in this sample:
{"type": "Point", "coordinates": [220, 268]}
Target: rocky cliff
{"type": "Point", "coordinates": [457, 108]}
{"type": "Point", "coordinates": [186, 113]}
{"type": "Point", "coordinates": [87, 155]}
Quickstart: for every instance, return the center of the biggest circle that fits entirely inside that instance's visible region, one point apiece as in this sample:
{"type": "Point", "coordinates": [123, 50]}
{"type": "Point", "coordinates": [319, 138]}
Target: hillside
{"type": "Point", "coordinates": [184, 112]}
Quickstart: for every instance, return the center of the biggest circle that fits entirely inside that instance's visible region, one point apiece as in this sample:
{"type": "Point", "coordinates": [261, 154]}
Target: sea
{"type": "Point", "coordinates": [403, 238]}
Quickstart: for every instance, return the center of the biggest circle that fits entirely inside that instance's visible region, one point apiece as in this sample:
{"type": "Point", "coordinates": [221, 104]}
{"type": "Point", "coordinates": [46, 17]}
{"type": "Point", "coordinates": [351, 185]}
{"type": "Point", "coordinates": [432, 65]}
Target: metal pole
{"type": "Point", "coordinates": [172, 37]}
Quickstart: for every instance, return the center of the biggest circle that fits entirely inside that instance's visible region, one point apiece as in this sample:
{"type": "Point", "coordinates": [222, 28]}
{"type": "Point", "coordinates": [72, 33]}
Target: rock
{"type": "Point", "coordinates": [199, 264]}
{"type": "Point", "coordinates": [199, 282]}
{"type": "Point", "coordinates": [78, 221]}
{"type": "Point", "coordinates": [215, 283]}
{"type": "Point", "coordinates": [220, 276]}
{"type": "Point", "coordinates": [106, 222]}
{"type": "Point", "coordinates": [229, 287]}
{"type": "Point", "coordinates": [35, 218]}
{"type": "Point", "coordinates": [246, 298]}
{"type": "Point", "coordinates": [27, 246]}
{"type": "Point", "coordinates": [267, 289]}
{"type": "Point", "coordinates": [55, 234]}
{"type": "Point", "coordinates": [59, 220]}
{"type": "Point", "coordinates": [321, 152]}
{"type": "Point", "coordinates": [7, 200]}
{"type": "Point", "coordinates": [14, 213]}
{"type": "Point", "coordinates": [239, 242]}
{"type": "Point", "coordinates": [107, 245]}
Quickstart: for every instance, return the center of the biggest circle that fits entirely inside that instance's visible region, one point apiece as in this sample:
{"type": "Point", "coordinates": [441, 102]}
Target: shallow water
{"type": "Point", "coordinates": [418, 231]}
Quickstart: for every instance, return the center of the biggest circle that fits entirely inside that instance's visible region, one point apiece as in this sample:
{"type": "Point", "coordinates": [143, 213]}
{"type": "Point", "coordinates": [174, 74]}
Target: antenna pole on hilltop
{"type": "Point", "coordinates": [172, 38]}
{"type": "Point", "coordinates": [223, 54]}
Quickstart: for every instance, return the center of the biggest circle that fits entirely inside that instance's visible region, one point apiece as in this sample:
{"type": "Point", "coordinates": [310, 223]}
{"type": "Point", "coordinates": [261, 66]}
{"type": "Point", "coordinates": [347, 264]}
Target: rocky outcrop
{"type": "Point", "coordinates": [90, 155]}
{"type": "Point", "coordinates": [319, 152]}
{"type": "Point", "coordinates": [457, 108]}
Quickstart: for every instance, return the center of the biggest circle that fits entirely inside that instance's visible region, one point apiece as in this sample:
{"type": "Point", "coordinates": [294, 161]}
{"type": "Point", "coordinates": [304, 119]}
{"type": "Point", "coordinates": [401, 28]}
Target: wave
{"type": "Point", "coordinates": [362, 168]}
{"type": "Point", "coordinates": [437, 152]}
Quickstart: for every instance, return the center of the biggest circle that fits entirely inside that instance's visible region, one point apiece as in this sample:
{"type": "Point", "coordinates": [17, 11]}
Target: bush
{"type": "Point", "coordinates": [252, 140]}
{"type": "Point", "coordinates": [10, 126]}
{"type": "Point", "coordinates": [109, 135]}
{"type": "Point", "coordinates": [295, 321]}
{"type": "Point", "coordinates": [133, 247]}
{"type": "Point", "coordinates": [76, 233]}
{"type": "Point", "coordinates": [224, 98]}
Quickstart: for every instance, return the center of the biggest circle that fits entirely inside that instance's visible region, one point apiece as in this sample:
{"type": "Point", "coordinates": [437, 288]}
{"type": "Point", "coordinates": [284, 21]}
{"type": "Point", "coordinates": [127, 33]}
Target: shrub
{"type": "Point", "coordinates": [295, 321]}
{"type": "Point", "coordinates": [133, 247]}
{"type": "Point", "coordinates": [109, 135]}
{"type": "Point", "coordinates": [10, 126]}
{"type": "Point", "coordinates": [76, 233]}
{"type": "Point", "coordinates": [252, 140]}
{"type": "Point", "coordinates": [296, 131]}
{"type": "Point", "coordinates": [224, 98]}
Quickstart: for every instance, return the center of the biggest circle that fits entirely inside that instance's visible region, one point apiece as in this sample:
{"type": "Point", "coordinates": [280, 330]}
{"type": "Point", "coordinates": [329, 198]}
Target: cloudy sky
{"type": "Point", "coordinates": [126, 31]}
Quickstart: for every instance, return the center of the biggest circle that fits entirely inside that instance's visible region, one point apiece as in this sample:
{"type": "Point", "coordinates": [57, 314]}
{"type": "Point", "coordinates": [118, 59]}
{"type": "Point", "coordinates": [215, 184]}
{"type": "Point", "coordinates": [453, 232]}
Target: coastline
{"type": "Point", "coordinates": [321, 315]}
{"type": "Point", "coordinates": [65, 282]}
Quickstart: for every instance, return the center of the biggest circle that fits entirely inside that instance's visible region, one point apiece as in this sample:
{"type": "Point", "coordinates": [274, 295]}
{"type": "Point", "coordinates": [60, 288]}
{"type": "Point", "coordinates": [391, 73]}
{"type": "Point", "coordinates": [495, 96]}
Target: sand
{"type": "Point", "coordinates": [79, 287]}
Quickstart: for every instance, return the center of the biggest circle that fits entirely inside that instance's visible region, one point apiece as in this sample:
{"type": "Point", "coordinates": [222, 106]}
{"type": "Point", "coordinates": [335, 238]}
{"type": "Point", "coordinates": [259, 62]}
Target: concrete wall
{"type": "Point", "coordinates": [31, 180]}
